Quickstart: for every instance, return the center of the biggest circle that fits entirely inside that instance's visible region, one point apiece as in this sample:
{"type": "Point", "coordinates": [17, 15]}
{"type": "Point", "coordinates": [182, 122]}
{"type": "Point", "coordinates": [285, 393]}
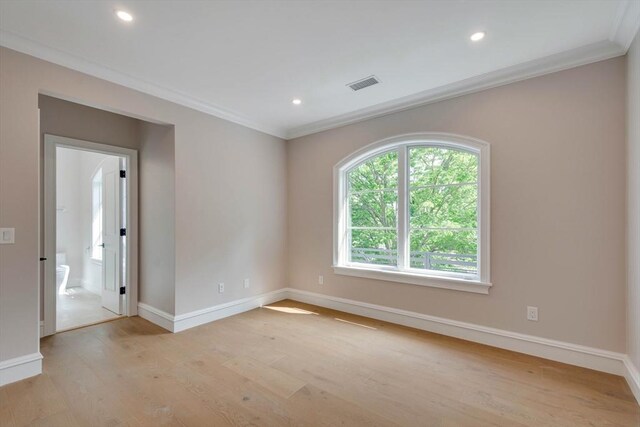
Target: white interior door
{"type": "Point", "coordinates": [111, 235]}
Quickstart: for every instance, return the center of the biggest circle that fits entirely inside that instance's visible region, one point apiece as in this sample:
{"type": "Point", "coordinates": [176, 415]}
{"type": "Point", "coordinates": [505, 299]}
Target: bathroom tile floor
{"type": "Point", "coordinates": [80, 307]}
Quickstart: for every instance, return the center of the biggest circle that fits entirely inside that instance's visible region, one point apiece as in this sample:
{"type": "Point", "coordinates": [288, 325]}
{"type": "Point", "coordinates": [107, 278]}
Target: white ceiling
{"type": "Point", "coordinates": [246, 60]}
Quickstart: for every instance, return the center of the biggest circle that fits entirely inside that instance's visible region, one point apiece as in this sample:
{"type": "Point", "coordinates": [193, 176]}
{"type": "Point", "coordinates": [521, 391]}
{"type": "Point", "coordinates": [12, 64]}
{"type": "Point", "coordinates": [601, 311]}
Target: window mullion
{"type": "Point", "coordinates": [346, 257]}
{"type": "Point", "coordinates": [403, 208]}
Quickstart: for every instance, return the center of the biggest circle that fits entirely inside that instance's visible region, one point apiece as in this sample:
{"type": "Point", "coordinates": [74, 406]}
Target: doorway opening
{"type": "Point", "coordinates": [89, 201]}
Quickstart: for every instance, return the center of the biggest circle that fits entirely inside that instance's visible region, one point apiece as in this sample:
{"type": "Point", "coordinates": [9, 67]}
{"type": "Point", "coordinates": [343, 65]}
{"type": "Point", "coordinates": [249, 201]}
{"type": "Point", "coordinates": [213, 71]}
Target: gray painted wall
{"type": "Point", "coordinates": [230, 195]}
{"type": "Point", "coordinates": [558, 194]}
{"type": "Point", "coordinates": [157, 217]}
{"type": "Point", "coordinates": [557, 206]}
{"type": "Point", "coordinates": [633, 202]}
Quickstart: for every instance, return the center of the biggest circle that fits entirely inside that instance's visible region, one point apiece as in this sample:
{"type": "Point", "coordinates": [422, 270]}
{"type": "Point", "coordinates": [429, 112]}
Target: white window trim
{"type": "Point", "coordinates": [476, 284]}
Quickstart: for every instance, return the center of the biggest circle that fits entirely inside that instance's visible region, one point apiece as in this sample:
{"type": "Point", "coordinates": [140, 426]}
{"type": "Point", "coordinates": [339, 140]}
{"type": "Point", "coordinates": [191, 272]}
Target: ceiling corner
{"type": "Point", "coordinates": [626, 25]}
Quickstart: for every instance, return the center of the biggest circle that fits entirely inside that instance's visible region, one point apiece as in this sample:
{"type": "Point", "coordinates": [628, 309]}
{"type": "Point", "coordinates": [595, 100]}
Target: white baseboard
{"type": "Point", "coordinates": [573, 354]}
{"type": "Point", "coordinates": [200, 317]}
{"type": "Point", "coordinates": [633, 377]}
{"type": "Point", "coordinates": [20, 368]}
{"type": "Point", "coordinates": [192, 319]}
{"type": "Point", "coordinates": [157, 316]}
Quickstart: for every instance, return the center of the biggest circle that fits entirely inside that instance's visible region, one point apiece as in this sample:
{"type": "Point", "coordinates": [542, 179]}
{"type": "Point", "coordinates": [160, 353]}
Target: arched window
{"type": "Point", "coordinates": [415, 209]}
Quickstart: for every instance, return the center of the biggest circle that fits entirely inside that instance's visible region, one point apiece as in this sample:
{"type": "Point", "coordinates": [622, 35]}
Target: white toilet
{"type": "Point", "coordinates": [62, 272]}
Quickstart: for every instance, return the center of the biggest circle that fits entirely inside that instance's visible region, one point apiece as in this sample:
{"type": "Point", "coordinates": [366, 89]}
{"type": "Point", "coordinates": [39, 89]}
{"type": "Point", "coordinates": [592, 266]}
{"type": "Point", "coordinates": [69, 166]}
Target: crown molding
{"type": "Point", "coordinates": [622, 33]}
{"type": "Point", "coordinates": [59, 57]}
{"type": "Point", "coordinates": [625, 26]}
{"type": "Point", "coordinates": [538, 67]}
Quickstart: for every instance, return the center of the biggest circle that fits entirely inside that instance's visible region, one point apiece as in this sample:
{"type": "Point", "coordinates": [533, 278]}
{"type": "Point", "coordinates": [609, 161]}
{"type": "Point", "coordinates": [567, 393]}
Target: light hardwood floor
{"type": "Point", "coordinates": [295, 364]}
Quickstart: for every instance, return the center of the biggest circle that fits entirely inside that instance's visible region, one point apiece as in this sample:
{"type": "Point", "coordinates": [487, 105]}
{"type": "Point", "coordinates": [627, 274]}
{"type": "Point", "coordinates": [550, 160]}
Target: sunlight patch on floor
{"type": "Point", "coordinates": [356, 324]}
{"type": "Point", "coordinates": [290, 310]}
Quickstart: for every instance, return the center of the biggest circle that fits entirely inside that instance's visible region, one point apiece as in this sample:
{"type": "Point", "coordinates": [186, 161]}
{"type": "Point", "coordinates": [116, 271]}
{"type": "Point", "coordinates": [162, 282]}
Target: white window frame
{"type": "Point", "coordinates": [479, 283]}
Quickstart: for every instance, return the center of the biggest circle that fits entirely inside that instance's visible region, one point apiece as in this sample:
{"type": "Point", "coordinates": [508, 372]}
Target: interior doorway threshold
{"type": "Point", "coordinates": [73, 328]}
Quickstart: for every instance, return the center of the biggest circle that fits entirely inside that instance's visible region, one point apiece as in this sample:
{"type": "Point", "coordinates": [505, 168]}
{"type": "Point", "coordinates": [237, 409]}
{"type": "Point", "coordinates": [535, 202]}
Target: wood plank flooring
{"type": "Point", "coordinates": [292, 364]}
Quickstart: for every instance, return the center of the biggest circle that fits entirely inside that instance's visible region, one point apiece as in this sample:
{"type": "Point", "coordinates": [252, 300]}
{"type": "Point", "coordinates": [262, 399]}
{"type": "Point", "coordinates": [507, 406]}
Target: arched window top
{"type": "Point", "coordinates": [435, 139]}
{"type": "Point", "coordinates": [415, 209]}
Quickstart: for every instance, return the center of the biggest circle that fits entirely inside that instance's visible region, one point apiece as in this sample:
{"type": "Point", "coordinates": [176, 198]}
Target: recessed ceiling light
{"type": "Point", "coordinates": [296, 101]}
{"type": "Point", "coordinates": [125, 16]}
{"type": "Point", "coordinates": [476, 37]}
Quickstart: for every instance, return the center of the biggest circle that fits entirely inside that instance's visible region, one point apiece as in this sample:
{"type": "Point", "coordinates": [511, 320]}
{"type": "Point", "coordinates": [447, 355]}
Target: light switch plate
{"type": "Point", "coordinates": [7, 236]}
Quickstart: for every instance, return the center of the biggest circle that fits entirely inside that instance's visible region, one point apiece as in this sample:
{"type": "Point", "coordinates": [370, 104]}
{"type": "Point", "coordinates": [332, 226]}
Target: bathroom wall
{"type": "Point", "coordinates": [69, 213]}
{"type": "Point", "coordinates": [74, 175]}
{"type": "Point", "coordinates": [91, 269]}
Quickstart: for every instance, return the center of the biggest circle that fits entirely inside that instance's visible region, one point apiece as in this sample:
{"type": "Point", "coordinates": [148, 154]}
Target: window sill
{"type": "Point", "coordinates": [456, 284]}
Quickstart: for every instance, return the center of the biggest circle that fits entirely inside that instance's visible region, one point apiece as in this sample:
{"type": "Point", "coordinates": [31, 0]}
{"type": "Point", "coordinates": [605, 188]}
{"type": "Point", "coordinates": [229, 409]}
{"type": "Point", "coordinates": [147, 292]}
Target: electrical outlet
{"type": "Point", "coordinates": [246, 283]}
{"type": "Point", "coordinates": [220, 288]}
{"type": "Point", "coordinates": [320, 280]}
{"type": "Point", "coordinates": [532, 314]}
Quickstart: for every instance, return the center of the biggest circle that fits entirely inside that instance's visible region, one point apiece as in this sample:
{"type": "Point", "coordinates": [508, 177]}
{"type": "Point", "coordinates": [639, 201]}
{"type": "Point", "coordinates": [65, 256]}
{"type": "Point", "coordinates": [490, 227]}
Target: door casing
{"type": "Point", "coordinates": [130, 156]}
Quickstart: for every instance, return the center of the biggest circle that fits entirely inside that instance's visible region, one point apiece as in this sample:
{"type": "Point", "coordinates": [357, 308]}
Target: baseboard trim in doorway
{"type": "Point", "coordinates": [86, 325]}
{"type": "Point", "coordinates": [20, 368]}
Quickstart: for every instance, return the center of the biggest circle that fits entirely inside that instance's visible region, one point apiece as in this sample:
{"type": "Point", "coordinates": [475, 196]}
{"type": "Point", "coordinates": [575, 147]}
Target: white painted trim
{"type": "Point", "coordinates": [195, 318]}
{"type": "Point", "coordinates": [19, 368]}
{"type": "Point", "coordinates": [632, 376]}
{"type": "Point", "coordinates": [41, 328]}
{"type": "Point", "coordinates": [399, 143]}
{"type": "Point", "coordinates": [618, 44]}
{"type": "Point", "coordinates": [51, 142]}
{"type": "Point", "coordinates": [59, 57]}
{"type": "Point", "coordinates": [156, 316]}
{"type": "Point", "coordinates": [626, 24]}
{"type": "Point", "coordinates": [441, 282]}
{"type": "Point", "coordinates": [550, 64]}
{"type": "Point", "coordinates": [573, 354]}
{"type": "Point", "coordinates": [200, 317]}
{"type": "Point", "coordinates": [49, 210]}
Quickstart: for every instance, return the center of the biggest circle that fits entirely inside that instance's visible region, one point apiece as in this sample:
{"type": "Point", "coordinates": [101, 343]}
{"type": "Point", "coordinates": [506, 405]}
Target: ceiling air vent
{"type": "Point", "coordinates": [366, 82]}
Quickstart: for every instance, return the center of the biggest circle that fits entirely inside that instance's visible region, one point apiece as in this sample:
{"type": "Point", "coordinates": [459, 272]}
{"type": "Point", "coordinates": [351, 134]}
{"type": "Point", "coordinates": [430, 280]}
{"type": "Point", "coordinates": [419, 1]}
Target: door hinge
{"type": "Point", "coordinates": [123, 232]}
{"type": "Point", "coordinates": [122, 290]}
{"type": "Point", "coordinates": [123, 174]}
